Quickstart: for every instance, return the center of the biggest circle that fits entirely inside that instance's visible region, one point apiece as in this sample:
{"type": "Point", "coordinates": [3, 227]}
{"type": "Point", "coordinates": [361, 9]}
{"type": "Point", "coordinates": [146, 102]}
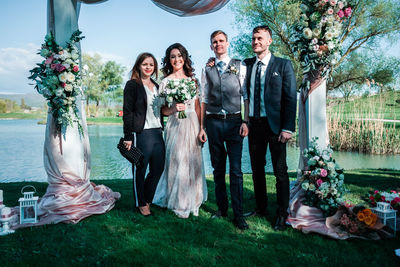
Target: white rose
{"type": "Point", "coordinates": [316, 32]}
{"type": "Point", "coordinates": [68, 87]}
{"type": "Point", "coordinates": [74, 55]}
{"type": "Point", "coordinates": [307, 33]}
{"type": "Point", "coordinates": [328, 36]}
{"type": "Point", "coordinates": [62, 77]}
{"type": "Point", "coordinates": [331, 45]}
{"type": "Point", "coordinates": [70, 77]}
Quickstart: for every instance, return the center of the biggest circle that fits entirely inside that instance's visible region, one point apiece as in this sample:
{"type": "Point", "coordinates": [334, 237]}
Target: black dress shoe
{"type": "Point", "coordinates": [240, 223]}
{"type": "Point", "coordinates": [219, 214]}
{"type": "Point", "coordinates": [280, 224]}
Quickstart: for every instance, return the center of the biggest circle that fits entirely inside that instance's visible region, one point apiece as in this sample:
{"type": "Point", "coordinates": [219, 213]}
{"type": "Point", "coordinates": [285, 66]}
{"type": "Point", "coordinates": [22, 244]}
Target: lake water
{"type": "Point", "coordinates": [21, 154]}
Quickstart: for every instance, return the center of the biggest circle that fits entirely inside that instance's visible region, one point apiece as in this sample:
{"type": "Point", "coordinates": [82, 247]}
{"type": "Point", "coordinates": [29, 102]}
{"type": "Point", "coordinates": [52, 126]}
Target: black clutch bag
{"type": "Point", "coordinates": [134, 155]}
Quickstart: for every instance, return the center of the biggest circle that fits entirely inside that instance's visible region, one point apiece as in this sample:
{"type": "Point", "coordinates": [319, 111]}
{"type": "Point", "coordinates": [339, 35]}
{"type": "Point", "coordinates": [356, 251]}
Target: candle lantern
{"type": "Point", "coordinates": [386, 214]}
{"type": "Point", "coordinates": [28, 206]}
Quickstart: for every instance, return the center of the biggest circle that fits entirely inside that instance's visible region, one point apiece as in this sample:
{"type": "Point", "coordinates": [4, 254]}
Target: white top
{"type": "Point", "coordinates": [264, 66]}
{"type": "Point", "coordinates": [153, 109]}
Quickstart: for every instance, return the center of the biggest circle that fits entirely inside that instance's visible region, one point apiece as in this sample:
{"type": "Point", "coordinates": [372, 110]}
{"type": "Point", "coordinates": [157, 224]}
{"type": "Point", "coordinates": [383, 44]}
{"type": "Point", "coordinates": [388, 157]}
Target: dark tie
{"type": "Point", "coordinates": [257, 91]}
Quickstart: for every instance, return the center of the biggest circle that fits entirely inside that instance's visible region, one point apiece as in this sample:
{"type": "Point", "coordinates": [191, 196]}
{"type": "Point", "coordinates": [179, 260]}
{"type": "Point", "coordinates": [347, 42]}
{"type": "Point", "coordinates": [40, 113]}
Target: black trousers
{"type": "Point", "coordinates": [260, 136]}
{"type": "Point", "coordinates": [221, 133]}
{"type": "Point", "coordinates": [151, 143]}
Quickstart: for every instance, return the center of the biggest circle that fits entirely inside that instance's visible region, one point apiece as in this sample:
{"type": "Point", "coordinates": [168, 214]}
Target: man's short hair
{"type": "Point", "coordinates": [216, 33]}
{"type": "Point", "coordinates": [263, 28]}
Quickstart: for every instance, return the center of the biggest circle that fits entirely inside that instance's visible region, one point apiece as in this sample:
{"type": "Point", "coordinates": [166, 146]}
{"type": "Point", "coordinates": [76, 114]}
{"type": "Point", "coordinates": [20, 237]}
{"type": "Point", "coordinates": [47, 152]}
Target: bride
{"type": "Point", "coordinates": [182, 187]}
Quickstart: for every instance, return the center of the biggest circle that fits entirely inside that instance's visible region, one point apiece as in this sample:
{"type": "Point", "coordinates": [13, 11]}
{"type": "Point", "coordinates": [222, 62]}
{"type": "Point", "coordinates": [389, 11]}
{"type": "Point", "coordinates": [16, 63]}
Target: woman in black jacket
{"type": "Point", "coordinates": [143, 129]}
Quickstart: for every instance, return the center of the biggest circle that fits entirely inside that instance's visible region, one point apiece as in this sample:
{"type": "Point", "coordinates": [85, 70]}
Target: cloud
{"type": "Point", "coordinates": [15, 63]}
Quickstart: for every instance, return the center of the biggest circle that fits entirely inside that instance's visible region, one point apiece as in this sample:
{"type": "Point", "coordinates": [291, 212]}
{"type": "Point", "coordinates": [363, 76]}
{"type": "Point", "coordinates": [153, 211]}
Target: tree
{"type": "Point", "coordinates": [102, 82]}
{"type": "Point", "coordinates": [92, 67]}
{"type": "Point", "coordinates": [111, 82]}
{"type": "Point", "coordinates": [371, 22]}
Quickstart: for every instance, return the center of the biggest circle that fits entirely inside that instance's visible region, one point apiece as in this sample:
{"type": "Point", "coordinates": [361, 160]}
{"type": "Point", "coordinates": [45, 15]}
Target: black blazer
{"type": "Point", "coordinates": [135, 108]}
{"type": "Point", "coordinates": [279, 93]}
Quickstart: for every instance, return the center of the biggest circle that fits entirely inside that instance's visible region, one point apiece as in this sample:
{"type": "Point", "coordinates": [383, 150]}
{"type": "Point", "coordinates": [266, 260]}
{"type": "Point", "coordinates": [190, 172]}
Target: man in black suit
{"type": "Point", "coordinates": [271, 90]}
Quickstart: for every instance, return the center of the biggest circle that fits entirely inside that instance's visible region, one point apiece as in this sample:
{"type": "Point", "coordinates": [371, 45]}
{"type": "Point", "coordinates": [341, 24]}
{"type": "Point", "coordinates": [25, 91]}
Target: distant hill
{"type": "Point", "coordinates": [31, 99]}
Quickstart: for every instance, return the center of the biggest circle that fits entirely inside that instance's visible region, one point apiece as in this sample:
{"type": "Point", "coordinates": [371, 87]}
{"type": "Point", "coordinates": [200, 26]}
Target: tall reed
{"type": "Point", "coordinates": [359, 126]}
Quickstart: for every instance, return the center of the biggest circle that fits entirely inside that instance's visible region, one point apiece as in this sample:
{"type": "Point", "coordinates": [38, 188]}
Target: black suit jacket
{"type": "Point", "coordinates": [279, 93]}
{"type": "Point", "coordinates": [135, 108]}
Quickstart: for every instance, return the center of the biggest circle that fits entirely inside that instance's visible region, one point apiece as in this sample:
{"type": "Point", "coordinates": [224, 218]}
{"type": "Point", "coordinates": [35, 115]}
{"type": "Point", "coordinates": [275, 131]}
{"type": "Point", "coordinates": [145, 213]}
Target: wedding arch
{"type": "Point", "coordinates": [71, 196]}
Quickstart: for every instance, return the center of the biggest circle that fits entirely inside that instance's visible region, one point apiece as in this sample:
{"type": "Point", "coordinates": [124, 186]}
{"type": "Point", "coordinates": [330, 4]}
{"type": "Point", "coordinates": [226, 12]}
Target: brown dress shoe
{"type": "Point", "coordinates": [144, 210]}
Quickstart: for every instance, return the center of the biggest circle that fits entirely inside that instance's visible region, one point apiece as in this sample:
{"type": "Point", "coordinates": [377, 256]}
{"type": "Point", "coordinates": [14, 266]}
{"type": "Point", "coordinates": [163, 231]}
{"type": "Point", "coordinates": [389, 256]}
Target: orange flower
{"type": "Point", "coordinates": [367, 212]}
{"type": "Point", "coordinates": [368, 220]}
{"type": "Point", "coordinates": [360, 216]}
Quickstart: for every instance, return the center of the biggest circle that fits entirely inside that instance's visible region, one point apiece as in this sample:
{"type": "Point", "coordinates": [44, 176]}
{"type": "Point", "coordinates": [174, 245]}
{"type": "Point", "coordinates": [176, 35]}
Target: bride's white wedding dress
{"type": "Point", "coordinates": [182, 187]}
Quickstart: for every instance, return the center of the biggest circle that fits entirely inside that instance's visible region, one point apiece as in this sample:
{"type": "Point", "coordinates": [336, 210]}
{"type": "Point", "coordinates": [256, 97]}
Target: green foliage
{"type": "Point", "coordinates": [102, 81]}
{"type": "Point", "coordinates": [371, 22]}
{"type": "Point", "coordinates": [122, 237]}
{"type": "Point", "coordinates": [7, 105]}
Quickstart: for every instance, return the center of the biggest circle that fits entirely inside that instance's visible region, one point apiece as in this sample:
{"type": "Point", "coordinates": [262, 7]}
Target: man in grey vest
{"type": "Point", "coordinates": [221, 119]}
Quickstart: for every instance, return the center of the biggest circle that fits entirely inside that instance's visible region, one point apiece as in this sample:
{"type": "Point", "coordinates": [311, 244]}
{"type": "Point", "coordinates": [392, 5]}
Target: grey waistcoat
{"type": "Point", "coordinates": [225, 90]}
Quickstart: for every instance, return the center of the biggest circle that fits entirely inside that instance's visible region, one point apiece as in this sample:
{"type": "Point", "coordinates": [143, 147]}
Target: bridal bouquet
{"type": "Point", "coordinates": [323, 181]}
{"type": "Point", "coordinates": [392, 197]}
{"type": "Point", "coordinates": [57, 78]}
{"type": "Point", "coordinates": [317, 34]}
{"type": "Point", "coordinates": [179, 90]}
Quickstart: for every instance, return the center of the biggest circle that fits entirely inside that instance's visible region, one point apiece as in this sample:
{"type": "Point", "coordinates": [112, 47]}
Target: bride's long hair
{"type": "Point", "coordinates": [187, 66]}
{"type": "Point", "coordinates": [135, 72]}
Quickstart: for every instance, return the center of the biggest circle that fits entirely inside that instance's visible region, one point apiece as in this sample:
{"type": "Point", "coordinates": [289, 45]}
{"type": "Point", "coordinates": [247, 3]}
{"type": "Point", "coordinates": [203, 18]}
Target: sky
{"type": "Point", "coordinates": [116, 29]}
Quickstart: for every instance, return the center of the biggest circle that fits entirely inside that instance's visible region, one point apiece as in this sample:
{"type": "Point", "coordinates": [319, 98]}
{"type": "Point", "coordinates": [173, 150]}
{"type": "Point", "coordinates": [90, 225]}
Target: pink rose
{"type": "Point", "coordinates": [326, 1]}
{"type": "Point", "coordinates": [376, 192]}
{"type": "Point", "coordinates": [330, 11]}
{"type": "Point", "coordinates": [53, 66]}
{"type": "Point", "coordinates": [396, 199]}
{"type": "Point", "coordinates": [340, 14]}
{"type": "Point", "coordinates": [347, 12]}
{"type": "Point", "coordinates": [332, 2]}
{"type": "Point", "coordinates": [319, 182]}
{"type": "Point", "coordinates": [60, 68]}
{"type": "Point", "coordinates": [48, 60]}
{"type": "Point", "coordinates": [75, 68]}
{"type": "Point", "coordinates": [324, 173]}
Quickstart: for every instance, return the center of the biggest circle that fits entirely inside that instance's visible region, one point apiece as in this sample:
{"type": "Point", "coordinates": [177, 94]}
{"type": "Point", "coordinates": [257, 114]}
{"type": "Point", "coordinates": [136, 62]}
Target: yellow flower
{"type": "Point", "coordinates": [368, 221]}
{"type": "Point", "coordinates": [360, 216]}
{"type": "Point", "coordinates": [367, 212]}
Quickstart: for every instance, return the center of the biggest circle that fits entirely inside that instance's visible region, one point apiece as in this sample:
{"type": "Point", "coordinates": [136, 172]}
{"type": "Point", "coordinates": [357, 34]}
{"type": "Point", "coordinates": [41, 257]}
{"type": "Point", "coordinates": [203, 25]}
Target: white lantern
{"type": "Point", "coordinates": [28, 206]}
{"type": "Point", "coordinates": [386, 214]}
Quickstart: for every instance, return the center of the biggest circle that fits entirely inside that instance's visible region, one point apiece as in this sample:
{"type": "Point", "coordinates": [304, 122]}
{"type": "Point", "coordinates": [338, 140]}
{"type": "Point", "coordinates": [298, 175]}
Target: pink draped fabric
{"type": "Point", "coordinates": [70, 196]}
{"type": "Point", "coordinates": [182, 8]}
{"type": "Point", "coordinates": [190, 7]}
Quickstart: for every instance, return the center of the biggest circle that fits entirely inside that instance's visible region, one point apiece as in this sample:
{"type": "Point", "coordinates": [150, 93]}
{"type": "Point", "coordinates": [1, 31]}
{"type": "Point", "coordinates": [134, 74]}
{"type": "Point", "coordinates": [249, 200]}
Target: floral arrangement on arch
{"type": "Point", "coordinates": [57, 78]}
{"type": "Point", "coordinates": [180, 90]}
{"type": "Point", "coordinates": [392, 197]}
{"type": "Point", "coordinates": [317, 34]}
{"type": "Point", "coordinates": [323, 180]}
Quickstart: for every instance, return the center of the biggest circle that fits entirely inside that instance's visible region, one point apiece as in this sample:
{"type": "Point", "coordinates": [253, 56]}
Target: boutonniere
{"type": "Point", "coordinates": [232, 69]}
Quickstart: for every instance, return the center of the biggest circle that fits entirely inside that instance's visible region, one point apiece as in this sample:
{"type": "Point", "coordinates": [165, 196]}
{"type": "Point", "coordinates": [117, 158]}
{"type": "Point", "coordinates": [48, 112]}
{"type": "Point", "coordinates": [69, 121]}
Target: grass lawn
{"type": "Point", "coordinates": [123, 237]}
{"type": "Point", "coordinates": [21, 115]}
